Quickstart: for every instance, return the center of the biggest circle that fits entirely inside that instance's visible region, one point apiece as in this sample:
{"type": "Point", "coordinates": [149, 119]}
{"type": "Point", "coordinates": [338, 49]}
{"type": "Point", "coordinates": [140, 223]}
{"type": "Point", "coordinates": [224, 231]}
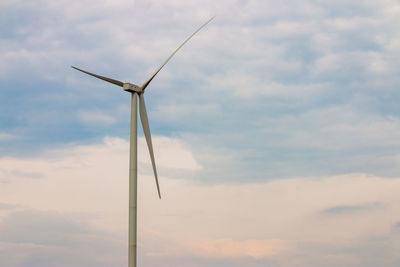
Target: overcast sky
{"type": "Point", "coordinates": [276, 131]}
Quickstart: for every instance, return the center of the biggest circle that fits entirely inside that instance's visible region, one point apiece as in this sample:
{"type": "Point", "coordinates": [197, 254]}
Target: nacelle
{"type": "Point", "coordinates": [129, 87]}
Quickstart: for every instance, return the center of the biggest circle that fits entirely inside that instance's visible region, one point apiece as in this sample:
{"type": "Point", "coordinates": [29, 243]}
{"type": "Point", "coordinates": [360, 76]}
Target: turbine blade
{"type": "Point", "coordinates": [101, 77]}
{"type": "Point", "coordinates": [146, 129]}
{"type": "Point", "coordinates": [166, 61]}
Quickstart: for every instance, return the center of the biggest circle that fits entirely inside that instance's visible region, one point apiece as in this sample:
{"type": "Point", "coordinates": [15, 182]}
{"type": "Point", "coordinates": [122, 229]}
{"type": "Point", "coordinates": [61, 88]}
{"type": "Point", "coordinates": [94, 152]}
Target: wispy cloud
{"type": "Point", "coordinates": [7, 206]}
{"type": "Point", "coordinates": [95, 118]}
{"type": "Point", "coordinates": [8, 137]}
{"type": "Point", "coordinates": [349, 209]}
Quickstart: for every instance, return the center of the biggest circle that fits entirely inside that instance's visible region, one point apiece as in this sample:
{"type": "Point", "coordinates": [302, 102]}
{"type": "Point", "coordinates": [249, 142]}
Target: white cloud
{"type": "Point", "coordinates": [95, 117]}
{"type": "Point", "coordinates": [171, 154]}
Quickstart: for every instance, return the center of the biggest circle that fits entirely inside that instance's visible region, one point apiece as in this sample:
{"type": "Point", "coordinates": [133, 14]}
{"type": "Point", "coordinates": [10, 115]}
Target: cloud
{"type": "Point", "coordinates": [11, 171]}
{"type": "Point", "coordinates": [95, 118]}
{"type": "Point", "coordinates": [351, 209]}
{"type": "Point", "coordinates": [228, 248]}
{"type": "Point", "coordinates": [7, 137]}
{"type": "Point", "coordinates": [48, 238]}
{"type": "Point", "coordinates": [302, 89]}
{"type": "Point", "coordinates": [7, 206]}
{"type": "Point", "coordinates": [40, 228]}
{"type": "Point", "coordinates": [172, 154]}
{"type": "Point", "coordinates": [268, 90]}
{"type": "Point", "coordinates": [81, 202]}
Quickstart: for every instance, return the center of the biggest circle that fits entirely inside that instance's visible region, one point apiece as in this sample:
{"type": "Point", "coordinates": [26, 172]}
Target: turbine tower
{"type": "Point", "coordinates": [138, 91]}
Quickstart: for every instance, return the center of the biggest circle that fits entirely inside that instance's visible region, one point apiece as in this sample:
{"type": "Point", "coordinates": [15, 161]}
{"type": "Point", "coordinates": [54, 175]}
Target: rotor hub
{"type": "Point", "coordinates": [130, 87]}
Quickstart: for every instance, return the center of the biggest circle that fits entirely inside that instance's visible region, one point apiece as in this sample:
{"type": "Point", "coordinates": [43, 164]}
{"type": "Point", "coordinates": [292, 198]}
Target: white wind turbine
{"type": "Point", "coordinates": [136, 91]}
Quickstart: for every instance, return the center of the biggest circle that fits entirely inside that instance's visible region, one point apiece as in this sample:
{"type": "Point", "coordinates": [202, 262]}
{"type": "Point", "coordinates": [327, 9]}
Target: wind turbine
{"type": "Point", "coordinates": [136, 91]}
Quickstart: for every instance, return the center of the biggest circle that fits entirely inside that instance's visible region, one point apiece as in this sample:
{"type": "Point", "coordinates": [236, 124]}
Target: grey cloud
{"type": "Point", "coordinates": [29, 175]}
{"type": "Point", "coordinates": [41, 228]}
{"type": "Point", "coordinates": [7, 206]}
{"type": "Point", "coordinates": [187, 261]}
{"type": "Point", "coordinates": [350, 209]}
{"type": "Point", "coordinates": [360, 253]}
{"type": "Point", "coordinates": [37, 238]}
{"type": "Point", "coordinates": [8, 176]}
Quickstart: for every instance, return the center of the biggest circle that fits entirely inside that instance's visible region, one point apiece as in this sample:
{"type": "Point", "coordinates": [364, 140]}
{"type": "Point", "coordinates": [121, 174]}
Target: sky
{"type": "Point", "coordinates": [276, 133]}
